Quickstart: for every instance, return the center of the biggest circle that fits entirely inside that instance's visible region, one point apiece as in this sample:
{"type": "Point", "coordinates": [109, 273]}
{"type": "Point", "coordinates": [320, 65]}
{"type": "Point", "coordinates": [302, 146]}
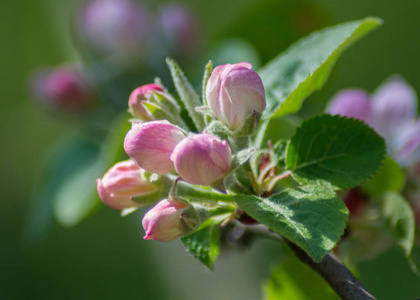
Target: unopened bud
{"type": "Point", "coordinates": [180, 28]}
{"type": "Point", "coordinates": [352, 103]}
{"type": "Point", "coordinates": [202, 159]}
{"type": "Point", "coordinates": [234, 92]}
{"type": "Point", "coordinates": [63, 88]}
{"type": "Point", "coordinates": [137, 97]}
{"type": "Point", "coordinates": [150, 102]}
{"type": "Point", "coordinates": [150, 145]}
{"type": "Point", "coordinates": [115, 27]}
{"type": "Point", "coordinates": [394, 104]}
{"type": "Point", "coordinates": [122, 183]}
{"type": "Point", "coordinates": [169, 220]}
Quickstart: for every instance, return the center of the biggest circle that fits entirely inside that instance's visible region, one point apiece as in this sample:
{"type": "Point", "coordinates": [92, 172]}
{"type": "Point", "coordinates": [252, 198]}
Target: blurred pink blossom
{"type": "Point", "coordinates": [115, 27]}
{"type": "Point", "coordinates": [62, 88]}
{"type": "Point", "coordinates": [391, 111]}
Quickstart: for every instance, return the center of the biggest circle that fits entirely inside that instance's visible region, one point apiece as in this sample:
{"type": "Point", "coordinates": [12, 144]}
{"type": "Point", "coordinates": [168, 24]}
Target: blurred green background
{"type": "Point", "coordinates": [105, 257]}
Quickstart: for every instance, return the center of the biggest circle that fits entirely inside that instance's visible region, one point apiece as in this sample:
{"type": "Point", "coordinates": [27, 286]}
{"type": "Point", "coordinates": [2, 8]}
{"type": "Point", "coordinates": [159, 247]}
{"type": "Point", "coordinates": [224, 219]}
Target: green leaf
{"type": "Point", "coordinates": [242, 157]}
{"type": "Point", "coordinates": [334, 151]}
{"type": "Point", "coordinates": [188, 96]}
{"type": "Point", "coordinates": [77, 196]}
{"type": "Point", "coordinates": [65, 159]}
{"type": "Point", "coordinates": [414, 260]}
{"type": "Point", "coordinates": [389, 178]}
{"type": "Point", "coordinates": [294, 280]}
{"type": "Point", "coordinates": [204, 243]}
{"type": "Point", "coordinates": [304, 67]}
{"type": "Point", "coordinates": [312, 217]}
{"type": "Point", "coordinates": [399, 220]}
{"type": "Point", "coordinates": [276, 129]}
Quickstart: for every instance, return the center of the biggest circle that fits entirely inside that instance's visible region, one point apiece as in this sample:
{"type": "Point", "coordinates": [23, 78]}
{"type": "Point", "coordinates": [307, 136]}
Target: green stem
{"type": "Point", "coordinates": [194, 193]}
{"type": "Point", "coordinates": [239, 143]}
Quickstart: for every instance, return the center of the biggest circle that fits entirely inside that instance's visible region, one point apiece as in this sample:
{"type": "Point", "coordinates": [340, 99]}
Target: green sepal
{"type": "Point", "coordinates": [242, 157]}
{"type": "Point", "coordinates": [188, 96]}
{"type": "Point", "coordinates": [207, 73]}
{"type": "Point", "coordinates": [166, 101]}
{"type": "Point", "coordinates": [218, 129]}
{"type": "Point", "coordinates": [159, 113]}
{"type": "Point", "coordinates": [249, 127]}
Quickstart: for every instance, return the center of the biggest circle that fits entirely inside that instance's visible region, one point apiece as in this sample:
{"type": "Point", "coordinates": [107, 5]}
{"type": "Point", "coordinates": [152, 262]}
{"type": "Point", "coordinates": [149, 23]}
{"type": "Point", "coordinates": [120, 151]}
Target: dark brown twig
{"type": "Point", "coordinates": [335, 273]}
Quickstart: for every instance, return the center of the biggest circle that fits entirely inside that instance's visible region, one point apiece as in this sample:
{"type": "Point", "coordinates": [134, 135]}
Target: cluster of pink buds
{"type": "Point", "coordinates": [155, 145]}
{"type": "Point", "coordinates": [160, 147]}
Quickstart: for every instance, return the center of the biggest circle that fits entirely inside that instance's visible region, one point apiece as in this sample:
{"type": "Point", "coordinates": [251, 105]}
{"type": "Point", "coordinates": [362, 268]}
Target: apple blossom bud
{"type": "Point", "coordinates": [140, 95]}
{"type": "Point", "coordinates": [234, 92]}
{"type": "Point", "coordinates": [394, 103]}
{"type": "Point", "coordinates": [115, 27]}
{"type": "Point", "coordinates": [353, 103]}
{"type": "Point", "coordinates": [405, 146]}
{"type": "Point", "coordinates": [170, 219]}
{"type": "Point", "coordinates": [180, 27]}
{"type": "Point", "coordinates": [150, 102]}
{"type": "Point", "coordinates": [202, 159]}
{"type": "Point", "coordinates": [150, 145]}
{"type": "Point", "coordinates": [123, 182]}
{"type": "Point", "coordinates": [62, 88]}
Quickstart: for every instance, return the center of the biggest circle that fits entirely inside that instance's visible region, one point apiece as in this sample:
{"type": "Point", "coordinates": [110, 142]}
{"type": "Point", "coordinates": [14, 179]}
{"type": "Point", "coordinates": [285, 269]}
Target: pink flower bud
{"type": "Point", "coordinates": [115, 27]}
{"type": "Point", "coordinates": [123, 182]}
{"type": "Point", "coordinates": [150, 145]}
{"type": "Point", "coordinates": [234, 92]}
{"type": "Point", "coordinates": [405, 146]}
{"type": "Point", "coordinates": [139, 95]}
{"type": "Point", "coordinates": [394, 104]}
{"type": "Point", "coordinates": [169, 220]}
{"type": "Point", "coordinates": [63, 88]}
{"type": "Point", "coordinates": [180, 27]}
{"type": "Point", "coordinates": [202, 159]}
{"type": "Point", "coordinates": [353, 103]}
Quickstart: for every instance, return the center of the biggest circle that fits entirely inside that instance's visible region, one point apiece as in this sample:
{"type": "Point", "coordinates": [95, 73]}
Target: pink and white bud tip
{"type": "Point", "coordinates": [122, 183]}
{"type": "Point", "coordinates": [169, 220]}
